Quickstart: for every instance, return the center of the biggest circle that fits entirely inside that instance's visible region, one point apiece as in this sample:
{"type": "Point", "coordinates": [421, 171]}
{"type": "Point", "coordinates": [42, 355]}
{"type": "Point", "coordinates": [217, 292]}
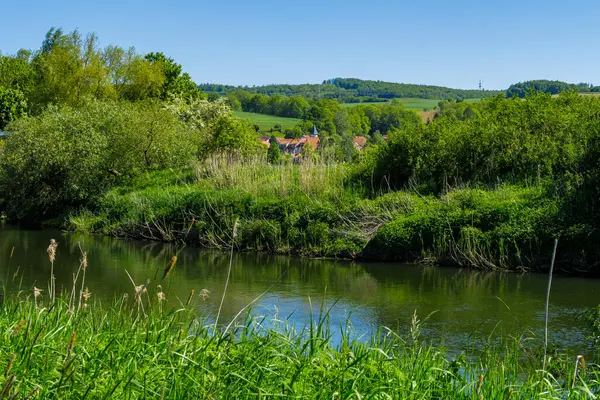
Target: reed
{"type": "Point", "coordinates": [134, 350]}
{"type": "Point", "coordinates": [112, 353]}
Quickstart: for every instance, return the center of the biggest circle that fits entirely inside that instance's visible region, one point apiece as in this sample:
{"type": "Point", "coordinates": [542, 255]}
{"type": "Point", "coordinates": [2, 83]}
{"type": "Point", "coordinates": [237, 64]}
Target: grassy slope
{"type": "Point", "coordinates": [266, 122]}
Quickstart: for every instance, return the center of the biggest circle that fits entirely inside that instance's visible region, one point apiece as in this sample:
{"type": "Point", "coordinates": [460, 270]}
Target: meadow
{"type": "Point", "coordinates": [267, 122]}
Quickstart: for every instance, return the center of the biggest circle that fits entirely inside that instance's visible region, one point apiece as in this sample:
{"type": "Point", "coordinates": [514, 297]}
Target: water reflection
{"type": "Point", "coordinates": [461, 303]}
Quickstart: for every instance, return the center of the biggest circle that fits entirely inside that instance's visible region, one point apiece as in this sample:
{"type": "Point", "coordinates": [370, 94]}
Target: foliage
{"type": "Point", "coordinates": [354, 91]}
{"type": "Point", "coordinates": [521, 89]}
{"type": "Point", "coordinates": [69, 69]}
{"type": "Point", "coordinates": [273, 153]}
{"type": "Point", "coordinates": [506, 140]}
{"type": "Point", "coordinates": [12, 106]}
{"type": "Point", "coordinates": [66, 156]}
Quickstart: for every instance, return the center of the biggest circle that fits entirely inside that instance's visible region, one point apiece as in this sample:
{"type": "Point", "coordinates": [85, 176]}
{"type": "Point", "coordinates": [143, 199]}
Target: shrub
{"type": "Point", "coordinates": [66, 156]}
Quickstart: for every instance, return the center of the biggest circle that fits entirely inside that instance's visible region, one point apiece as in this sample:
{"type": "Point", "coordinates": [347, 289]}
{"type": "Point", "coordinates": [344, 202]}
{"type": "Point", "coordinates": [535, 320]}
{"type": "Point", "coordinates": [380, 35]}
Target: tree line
{"type": "Point", "coordinates": [521, 89]}
{"type": "Point", "coordinates": [354, 91]}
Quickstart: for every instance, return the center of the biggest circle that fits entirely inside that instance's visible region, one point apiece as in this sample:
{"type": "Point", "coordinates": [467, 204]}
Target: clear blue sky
{"type": "Point", "coordinates": [254, 42]}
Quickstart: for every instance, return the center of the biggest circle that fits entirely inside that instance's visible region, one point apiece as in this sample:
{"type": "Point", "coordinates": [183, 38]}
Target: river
{"type": "Point", "coordinates": [456, 306]}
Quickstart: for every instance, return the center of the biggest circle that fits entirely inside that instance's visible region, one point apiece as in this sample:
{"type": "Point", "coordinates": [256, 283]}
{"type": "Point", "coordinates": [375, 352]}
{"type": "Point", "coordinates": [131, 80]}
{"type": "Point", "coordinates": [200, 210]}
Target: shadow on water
{"type": "Point", "coordinates": [461, 304]}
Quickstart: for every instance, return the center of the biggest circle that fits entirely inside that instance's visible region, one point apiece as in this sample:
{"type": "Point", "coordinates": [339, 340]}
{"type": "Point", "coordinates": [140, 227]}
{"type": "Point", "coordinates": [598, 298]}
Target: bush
{"type": "Point", "coordinates": [65, 157]}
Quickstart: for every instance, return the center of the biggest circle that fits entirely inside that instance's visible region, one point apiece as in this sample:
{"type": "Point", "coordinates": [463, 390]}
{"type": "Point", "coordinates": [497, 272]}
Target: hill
{"type": "Point", "coordinates": [554, 87]}
{"type": "Point", "coordinates": [351, 90]}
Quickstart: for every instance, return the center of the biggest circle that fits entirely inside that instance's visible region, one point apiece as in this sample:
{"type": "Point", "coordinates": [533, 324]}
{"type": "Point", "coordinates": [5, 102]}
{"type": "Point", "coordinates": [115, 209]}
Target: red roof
{"type": "Point", "coordinates": [360, 142]}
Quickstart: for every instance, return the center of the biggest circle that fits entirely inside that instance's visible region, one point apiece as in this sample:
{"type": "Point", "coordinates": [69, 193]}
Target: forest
{"type": "Point", "coordinates": [521, 89]}
{"type": "Point", "coordinates": [355, 91]}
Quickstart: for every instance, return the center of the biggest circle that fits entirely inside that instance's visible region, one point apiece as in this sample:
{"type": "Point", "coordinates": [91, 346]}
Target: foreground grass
{"type": "Point", "coordinates": [134, 349]}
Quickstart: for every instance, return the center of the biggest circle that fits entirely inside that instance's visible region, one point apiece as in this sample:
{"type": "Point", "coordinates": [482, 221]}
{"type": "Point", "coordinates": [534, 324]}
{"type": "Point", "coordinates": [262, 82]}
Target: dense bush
{"type": "Point", "coordinates": [496, 141]}
{"type": "Point", "coordinates": [66, 156]}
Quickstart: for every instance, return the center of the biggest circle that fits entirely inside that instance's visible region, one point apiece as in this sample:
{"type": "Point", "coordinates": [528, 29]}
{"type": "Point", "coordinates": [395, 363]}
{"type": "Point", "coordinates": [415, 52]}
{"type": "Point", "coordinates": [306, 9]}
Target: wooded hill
{"type": "Point", "coordinates": [356, 90]}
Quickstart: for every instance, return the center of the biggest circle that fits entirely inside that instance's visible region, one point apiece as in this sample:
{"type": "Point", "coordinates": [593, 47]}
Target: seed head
{"type": "Point", "coordinates": [52, 250]}
{"type": "Point", "coordinates": [86, 294]}
{"type": "Point", "coordinates": [37, 292]}
{"type": "Point", "coordinates": [204, 293]}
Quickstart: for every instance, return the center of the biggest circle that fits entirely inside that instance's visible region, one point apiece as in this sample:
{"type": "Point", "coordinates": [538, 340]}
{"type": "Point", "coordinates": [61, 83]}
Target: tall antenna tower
{"type": "Point", "coordinates": [480, 94]}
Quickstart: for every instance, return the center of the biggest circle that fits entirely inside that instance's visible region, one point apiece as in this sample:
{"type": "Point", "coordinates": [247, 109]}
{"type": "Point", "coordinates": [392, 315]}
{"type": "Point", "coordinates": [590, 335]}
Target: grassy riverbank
{"type": "Point", "coordinates": [134, 348]}
{"type": "Point", "coordinates": [311, 209]}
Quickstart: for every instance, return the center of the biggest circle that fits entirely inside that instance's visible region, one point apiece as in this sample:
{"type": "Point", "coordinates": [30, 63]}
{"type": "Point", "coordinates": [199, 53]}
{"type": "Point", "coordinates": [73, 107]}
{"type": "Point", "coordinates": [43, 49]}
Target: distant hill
{"type": "Point", "coordinates": [554, 87]}
{"type": "Point", "coordinates": [350, 90]}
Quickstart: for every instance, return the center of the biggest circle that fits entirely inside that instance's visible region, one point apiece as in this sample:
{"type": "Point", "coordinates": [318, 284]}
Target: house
{"type": "Point", "coordinates": [294, 147]}
{"type": "Point", "coordinates": [360, 142]}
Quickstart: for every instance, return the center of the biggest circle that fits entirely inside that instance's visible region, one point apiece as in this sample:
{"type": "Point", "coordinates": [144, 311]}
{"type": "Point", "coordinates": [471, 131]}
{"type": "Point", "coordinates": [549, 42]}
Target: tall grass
{"type": "Point", "coordinates": [253, 175]}
{"type": "Point", "coordinates": [135, 348]}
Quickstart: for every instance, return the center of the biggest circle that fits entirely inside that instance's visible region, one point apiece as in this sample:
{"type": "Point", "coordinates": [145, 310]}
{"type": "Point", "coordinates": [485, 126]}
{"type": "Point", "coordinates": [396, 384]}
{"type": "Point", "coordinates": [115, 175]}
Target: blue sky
{"type": "Point", "coordinates": [449, 43]}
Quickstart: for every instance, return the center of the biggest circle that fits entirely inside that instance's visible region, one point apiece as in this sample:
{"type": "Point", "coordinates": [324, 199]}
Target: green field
{"type": "Point", "coordinates": [266, 122]}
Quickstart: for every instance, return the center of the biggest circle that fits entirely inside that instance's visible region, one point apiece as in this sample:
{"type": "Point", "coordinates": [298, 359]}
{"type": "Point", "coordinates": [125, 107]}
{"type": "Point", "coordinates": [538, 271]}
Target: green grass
{"type": "Point", "coordinates": [315, 210]}
{"type": "Point", "coordinates": [137, 348]}
{"type": "Point", "coordinates": [266, 122]}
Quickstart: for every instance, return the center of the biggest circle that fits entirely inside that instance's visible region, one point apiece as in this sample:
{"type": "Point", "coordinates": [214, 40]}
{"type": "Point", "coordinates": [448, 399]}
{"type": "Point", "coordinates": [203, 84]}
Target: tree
{"type": "Point", "coordinates": [176, 83]}
{"type": "Point", "coordinates": [66, 156]}
{"type": "Point", "coordinates": [273, 153]}
{"type": "Point", "coordinates": [12, 106]}
{"type": "Point", "coordinates": [16, 73]}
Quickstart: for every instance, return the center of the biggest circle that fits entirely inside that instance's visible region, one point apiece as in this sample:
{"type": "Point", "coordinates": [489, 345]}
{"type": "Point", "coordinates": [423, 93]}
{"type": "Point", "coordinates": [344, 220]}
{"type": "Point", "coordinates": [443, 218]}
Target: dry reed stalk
{"type": "Point", "coordinates": [580, 359]}
{"type": "Point", "coordinates": [547, 304]}
{"type": "Point", "coordinates": [139, 290]}
{"type": "Point", "coordinates": [36, 293]}
{"type": "Point", "coordinates": [83, 264]}
{"type": "Point", "coordinates": [480, 383]}
{"type": "Point", "coordinates": [234, 236]}
{"type": "Point", "coordinates": [52, 256]}
{"type": "Point", "coordinates": [161, 297]}
{"type": "Point", "coordinates": [86, 296]}
{"type": "Point", "coordinates": [170, 267]}
{"type": "Point", "coordinates": [190, 298]}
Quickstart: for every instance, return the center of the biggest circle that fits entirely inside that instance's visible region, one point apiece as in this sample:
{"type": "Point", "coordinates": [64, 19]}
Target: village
{"type": "Point", "coordinates": [294, 147]}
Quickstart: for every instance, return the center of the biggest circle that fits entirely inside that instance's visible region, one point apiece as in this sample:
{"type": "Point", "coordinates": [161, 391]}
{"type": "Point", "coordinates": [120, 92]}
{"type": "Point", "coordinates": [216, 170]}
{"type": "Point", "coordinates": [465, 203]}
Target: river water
{"type": "Point", "coordinates": [456, 306]}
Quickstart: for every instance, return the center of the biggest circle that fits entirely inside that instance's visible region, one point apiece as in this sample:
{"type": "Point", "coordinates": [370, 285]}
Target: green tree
{"type": "Point", "coordinates": [273, 153]}
{"type": "Point", "coordinates": [176, 83]}
{"type": "Point", "coordinates": [67, 156]}
{"type": "Point", "coordinates": [12, 106]}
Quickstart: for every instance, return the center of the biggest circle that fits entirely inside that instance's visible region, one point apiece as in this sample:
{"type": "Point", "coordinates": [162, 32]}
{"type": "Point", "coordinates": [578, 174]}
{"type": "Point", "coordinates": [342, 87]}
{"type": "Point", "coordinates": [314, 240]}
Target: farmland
{"type": "Point", "coordinates": [266, 122]}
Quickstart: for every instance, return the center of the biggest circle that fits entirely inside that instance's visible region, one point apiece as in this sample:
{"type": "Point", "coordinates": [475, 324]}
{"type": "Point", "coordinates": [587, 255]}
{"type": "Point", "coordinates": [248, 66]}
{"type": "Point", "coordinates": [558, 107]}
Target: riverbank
{"type": "Point", "coordinates": [136, 347]}
{"type": "Point", "coordinates": [311, 210]}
